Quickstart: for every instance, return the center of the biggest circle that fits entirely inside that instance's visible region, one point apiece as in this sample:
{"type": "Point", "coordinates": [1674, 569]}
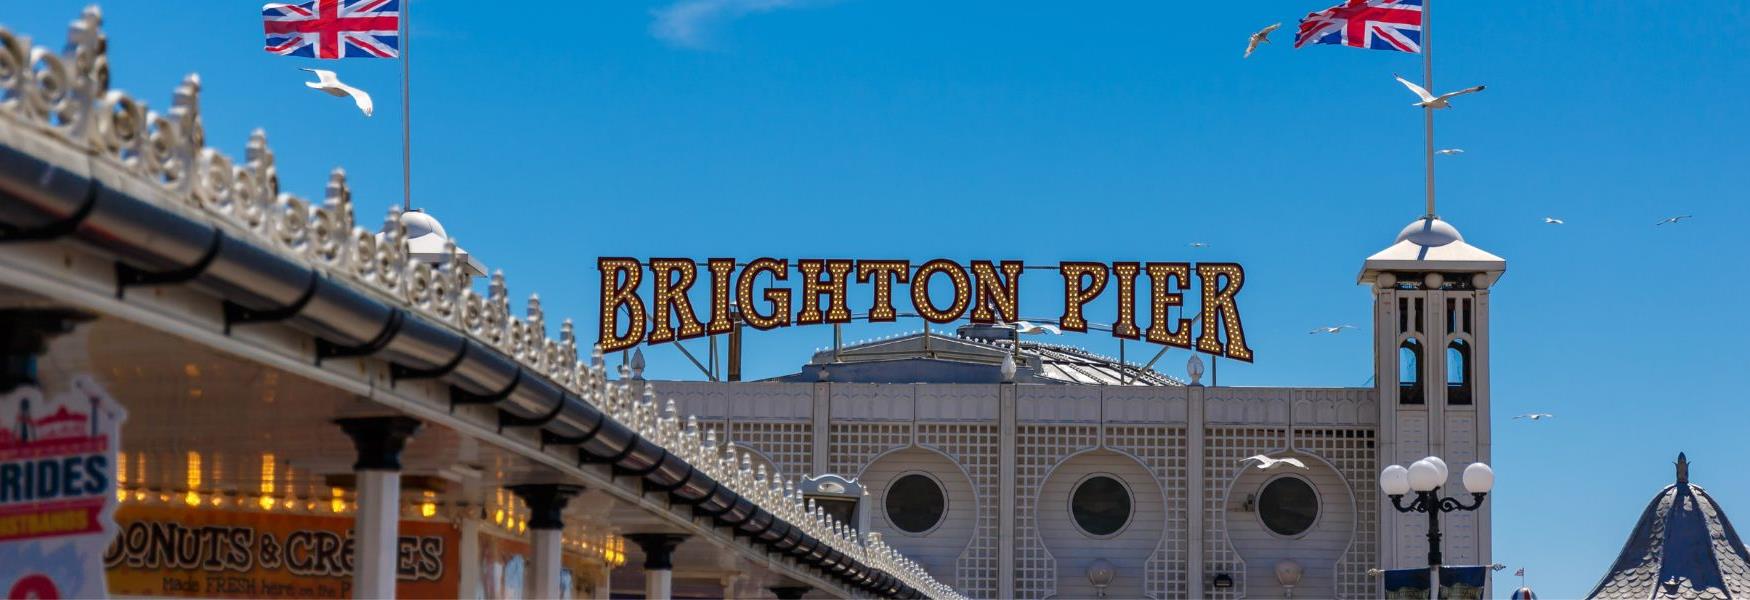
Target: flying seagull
{"type": "Point", "coordinates": [1534, 416]}
{"type": "Point", "coordinates": [1199, 244]}
{"type": "Point", "coordinates": [1432, 101]}
{"type": "Point", "coordinates": [1266, 463]}
{"type": "Point", "coordinates": [1332, 329]}
{"type": "Point", "coordinates": [1029, 327]}
{"type": "Point", "coordinates": [1449, 151]}
{"type": "Point", "coordinates": [1674, 220]}
{"type": "Point", "coordinates": [328, 83]}
{"type": "Point", "coordinates": [1553, 221]}
{"type": "Point", "coordinates": [1261, 37]}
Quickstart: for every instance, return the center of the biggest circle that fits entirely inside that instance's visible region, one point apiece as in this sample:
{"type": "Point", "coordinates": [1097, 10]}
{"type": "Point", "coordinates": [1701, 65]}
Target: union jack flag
{"type": "Point", "coordinates": [334, 28]}
{"type": "Point", "coordinates": [1377, 24]}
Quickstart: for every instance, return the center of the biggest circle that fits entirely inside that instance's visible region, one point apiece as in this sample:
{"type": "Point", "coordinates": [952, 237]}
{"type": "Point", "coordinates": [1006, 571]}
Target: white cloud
{"type": "Point", "coordinates": [688, 23]}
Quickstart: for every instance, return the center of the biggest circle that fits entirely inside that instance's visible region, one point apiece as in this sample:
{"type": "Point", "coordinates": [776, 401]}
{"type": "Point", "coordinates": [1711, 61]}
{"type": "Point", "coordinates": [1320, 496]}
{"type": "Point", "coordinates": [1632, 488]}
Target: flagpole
{"type": "Point", "coordinates": [1428, 111]}
{"type": "Point", "coordinates": [406, 109]}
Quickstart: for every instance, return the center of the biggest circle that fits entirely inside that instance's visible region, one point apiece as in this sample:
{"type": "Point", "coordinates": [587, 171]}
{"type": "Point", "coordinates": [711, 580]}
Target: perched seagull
{"type": "Point", "coordinates": [1261, 37]}
{"type": "Point", "coordinates": [1029, 327]}
{"type": "Point", "coordinates": [1674, 220]}
{"type": "Point", "coordinates": [1432, 101]}
{"type": "Point", "coordinates": [330, 84]}
{"type": "Point", "coordinates": [1332, 329]}
{"type": "Point", "coordinates": [1199, 244]}
{"type": "Point", "coordinates": [1534, 416]}
{"type": "Point", "coordinates": [1553, 221]}
{"type": "Point", "coordinates": [1266, 463]}
{"type": "Point", "coordinates": [1450, 151]}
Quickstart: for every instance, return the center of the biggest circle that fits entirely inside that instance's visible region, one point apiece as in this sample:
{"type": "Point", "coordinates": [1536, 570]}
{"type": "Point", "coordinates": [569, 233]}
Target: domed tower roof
{"type": "Point", "coordinates": [1427, 245]}
{"type": "Point", "coordinates": [1683, 547]}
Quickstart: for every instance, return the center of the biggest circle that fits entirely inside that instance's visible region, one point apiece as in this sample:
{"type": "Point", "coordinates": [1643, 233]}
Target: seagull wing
{"type": "Point", "coordinates": [359, 97]}
{"type": "Point", "coordinates": [1420, 93]}
{"type": "Point", "coordinates": [1263, 461]}
{"type": "Point", "coordinates": [1251, 45]}
{"type": "Point", "coordinates": [1294, 462]}
{"type": "Point", "coordinates": [1468, 90]}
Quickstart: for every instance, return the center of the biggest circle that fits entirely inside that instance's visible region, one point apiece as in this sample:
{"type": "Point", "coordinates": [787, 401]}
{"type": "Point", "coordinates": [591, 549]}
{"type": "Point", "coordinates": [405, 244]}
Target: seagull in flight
{"type": "Point", "coordinates": [1261, 37]}
{"type": "Point", "coordinates": [1334, 329]}
{"type": "Point", "coordinates": [1266, 463]}
{"type": "Point", "coordinates": [1432, 101]}
{"type": "Point", "coordinates": [1674, 220]}
{"type": "Point", "coordinates": [1553, 221]}
{"type": "Point", "coordinates": [328, 83]}
{"type": "Point", "coordinates": [1199, 244]}
{"type": "Point", "coordinates": [1449, 151]}
{"type": "Point", "coordinates": [1534, 416]}
{"type": "Point", "coordinates": [1029, 327]}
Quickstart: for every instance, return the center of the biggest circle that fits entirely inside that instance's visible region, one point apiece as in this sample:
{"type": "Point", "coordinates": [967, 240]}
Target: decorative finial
{"type": "Point", "coordinates": [637, 363]}
{"type": "Point", "coordinates": [1682, 468]}
{"type": "Point", "coordinates": [1008, 367]}
{"type": "Point", "coordinates": [1194, 368]}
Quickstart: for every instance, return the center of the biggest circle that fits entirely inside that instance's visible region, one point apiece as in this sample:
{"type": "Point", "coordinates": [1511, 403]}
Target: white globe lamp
{"type": "Point", "coordinates": [1424, 476]}
{"type": "Point", "coordinates": [1479, 478]}
{"type": "Point", "coordinates": [1394, 480]}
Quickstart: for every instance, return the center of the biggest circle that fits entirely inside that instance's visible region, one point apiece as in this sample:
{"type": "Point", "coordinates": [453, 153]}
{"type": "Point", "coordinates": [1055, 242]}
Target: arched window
{"type": "Point", "coordinates": [1458, 376]}
{"type": "Point", "coordinates": [1410, 372]}
{"type": "Point", "coordinates": [1100, 506]}
{"type": "Point", "coordinates": [916, 503]}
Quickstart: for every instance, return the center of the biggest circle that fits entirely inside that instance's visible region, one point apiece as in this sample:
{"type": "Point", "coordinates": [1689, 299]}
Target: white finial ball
{"type": "Point", "coordinates": [1433, 281]}
{"type": "Point", "coordinates": [1008, 367]}
{"type": "Point", "coordinates": [1194, 368]}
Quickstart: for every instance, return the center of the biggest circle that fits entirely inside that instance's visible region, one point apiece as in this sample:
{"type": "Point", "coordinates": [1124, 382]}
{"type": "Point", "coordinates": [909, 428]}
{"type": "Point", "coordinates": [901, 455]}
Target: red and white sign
{"type": "Point", "coordinates": [57, 490]}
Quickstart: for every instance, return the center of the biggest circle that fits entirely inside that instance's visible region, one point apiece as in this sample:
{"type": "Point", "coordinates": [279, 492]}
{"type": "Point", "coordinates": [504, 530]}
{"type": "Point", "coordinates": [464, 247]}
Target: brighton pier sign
{"type": "Point", "coordinates": [986, 292]}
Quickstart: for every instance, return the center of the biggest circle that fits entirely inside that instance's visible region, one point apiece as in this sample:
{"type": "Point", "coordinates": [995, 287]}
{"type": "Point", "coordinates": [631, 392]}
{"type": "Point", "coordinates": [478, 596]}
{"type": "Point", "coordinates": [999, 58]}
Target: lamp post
{"type": "Point", "coordinates": [1424, 477]}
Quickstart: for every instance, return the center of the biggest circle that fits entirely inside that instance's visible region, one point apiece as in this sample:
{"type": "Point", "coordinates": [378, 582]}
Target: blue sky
{"type": "Point", "coordinates": [545, 137]}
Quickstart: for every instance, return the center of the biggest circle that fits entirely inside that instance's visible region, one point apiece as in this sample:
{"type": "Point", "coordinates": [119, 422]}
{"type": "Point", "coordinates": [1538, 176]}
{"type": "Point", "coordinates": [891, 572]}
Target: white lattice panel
{"type": "Point", "coordinates": [974, 447]}
{"type": "Point", "coordinates": [1037, 449]}
{"type": "Point", "coordinates": [1162, 450]}
{"type": "Point", "coordinates": [1353, 452]}
{"type": "Point", "coordinates": [855, 445]}
{"type": "Point", "coordinates": [788, 445]}
{"type": "Point", "coordinates": [1224, 447]}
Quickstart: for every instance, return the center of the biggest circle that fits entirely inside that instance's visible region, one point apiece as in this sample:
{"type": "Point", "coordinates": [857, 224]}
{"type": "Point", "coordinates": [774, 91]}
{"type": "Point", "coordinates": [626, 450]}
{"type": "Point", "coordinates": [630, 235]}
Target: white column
{"type": "Point", "coordinates": [822, 417]}
{"type": "Point", "coordinates": [658, 584]}
{"type": "Point", "coordinates": [1006, 465]}
{"type": "Point", "coordinates": [605, 588]}
{"type": "Point", "coordinates": [547, 546]}
{"type": "Point", "coordinates": [1194, 491]}
{"type": "Point", "coordinates": [468, 559]}
{"type": "Point", "coordinates": [374, 529]}
{"type": "Point", "coordinates": [377, 479]}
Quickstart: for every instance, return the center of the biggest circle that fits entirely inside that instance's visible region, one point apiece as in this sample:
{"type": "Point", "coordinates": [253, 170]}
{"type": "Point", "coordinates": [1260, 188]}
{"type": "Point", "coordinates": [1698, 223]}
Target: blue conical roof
{"type": "Point", "coordinates": [1683, 547]}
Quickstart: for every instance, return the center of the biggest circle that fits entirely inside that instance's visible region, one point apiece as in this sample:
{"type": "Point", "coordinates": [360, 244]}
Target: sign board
{"type": "Point", "coordinates": [941, 291]}
{"type": "Point", "coordinates": [192, 552]}
{"type": "Point", "coordinates": [57, 490]}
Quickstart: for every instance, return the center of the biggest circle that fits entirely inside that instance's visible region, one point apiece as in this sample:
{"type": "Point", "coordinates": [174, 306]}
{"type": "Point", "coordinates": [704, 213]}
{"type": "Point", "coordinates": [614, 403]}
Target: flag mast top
{"type": "Point", "coordinates": [407, 114]}
{"type": "Point", "coordinates": [1428, 111]}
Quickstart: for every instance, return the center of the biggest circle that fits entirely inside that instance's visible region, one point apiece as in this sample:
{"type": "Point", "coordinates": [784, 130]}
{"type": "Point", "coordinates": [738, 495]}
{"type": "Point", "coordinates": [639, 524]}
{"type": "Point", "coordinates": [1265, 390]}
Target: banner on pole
{"type": "Point", "coordinates": [57, 489]}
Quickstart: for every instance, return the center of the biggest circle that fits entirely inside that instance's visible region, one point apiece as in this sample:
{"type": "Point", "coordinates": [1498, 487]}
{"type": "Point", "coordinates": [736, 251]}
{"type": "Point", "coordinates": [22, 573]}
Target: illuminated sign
{"type": "Point", "coordinates": [987, 292]}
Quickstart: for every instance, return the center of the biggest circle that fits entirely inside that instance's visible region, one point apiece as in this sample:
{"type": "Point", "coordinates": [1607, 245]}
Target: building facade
{"type": "Point", "coordinates": [1040, 478]}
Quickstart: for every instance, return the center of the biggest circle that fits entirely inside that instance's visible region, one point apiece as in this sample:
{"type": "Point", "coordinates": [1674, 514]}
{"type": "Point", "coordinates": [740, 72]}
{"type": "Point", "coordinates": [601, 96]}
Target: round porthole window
{"type": "Point", "coordinates": [916, 503]}
{"type": "Point", "coordinates": [1288, 506]}
{"type": "Point", "coordinates": [1100, 505]}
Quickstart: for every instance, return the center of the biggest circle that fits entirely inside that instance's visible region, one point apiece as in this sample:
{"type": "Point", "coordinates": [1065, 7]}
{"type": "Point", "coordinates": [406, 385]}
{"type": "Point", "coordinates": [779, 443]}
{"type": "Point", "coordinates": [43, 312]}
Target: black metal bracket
{"type": "Point", "coordinates": [236, 314]}
{"type": "Point", "coordinates": [326, 349]}
{"type": "Point", "coordinates": [398, 372]}
{"type": "Point", "coordinates": [548, 437]}
{"type": "Point", "coordinates": [459, 396]}
{"type": "Point", "coordinates": [505, 419]}
{"type": "Point", "coordinates": [654, 464]}
{"type": "Point", "coordinates": [66, 225]}
{"type": "Point", "coordinates": [583, 457]}
{"type": "Point", "coordinates": [128, 276]}
{"type": "Point", "coordinates": [666, 489]}
{"type": "Point", "coordinates": [702, 499]}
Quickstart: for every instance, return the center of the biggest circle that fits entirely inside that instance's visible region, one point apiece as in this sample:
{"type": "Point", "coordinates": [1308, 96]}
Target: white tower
{"type": "Point", "coordinates": [1431, 365]}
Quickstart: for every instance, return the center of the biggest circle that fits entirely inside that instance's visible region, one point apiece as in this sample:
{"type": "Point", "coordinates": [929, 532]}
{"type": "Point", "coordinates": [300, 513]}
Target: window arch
{"type": "Point", "coordinates": [1458, 372]}
{"type": "Point", "coordinates": [1410, 372]}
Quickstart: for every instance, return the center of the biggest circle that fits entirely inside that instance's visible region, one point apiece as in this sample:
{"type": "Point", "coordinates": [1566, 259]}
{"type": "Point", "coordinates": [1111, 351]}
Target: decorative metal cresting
{"type": "Point", "coordinates": [162, 158]}
{"type": "Point", "coordinates": [1425, 477]}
